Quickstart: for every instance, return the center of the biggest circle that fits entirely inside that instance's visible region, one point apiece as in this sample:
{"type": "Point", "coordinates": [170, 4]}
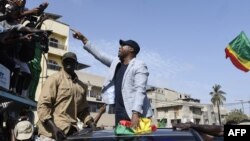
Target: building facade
{"type": "Point", "coordinates": [95, 83]}
{"type": "Point", "coordinates": [175, 107]}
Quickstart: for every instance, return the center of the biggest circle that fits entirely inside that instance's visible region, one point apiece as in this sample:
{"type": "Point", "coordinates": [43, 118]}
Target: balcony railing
{"type": "Point", "coordinates": [196, 116]}
{"type": "Point", "coordinates": [98, 98]}
{"type": "Point", "coordinates": [56, 45]}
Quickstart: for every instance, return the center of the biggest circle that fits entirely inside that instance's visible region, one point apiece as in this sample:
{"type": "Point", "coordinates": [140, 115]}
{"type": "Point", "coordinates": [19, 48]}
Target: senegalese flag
{"type": "Point", "coordinates": [145, 126]}
{"type": "Point", "coordinates": [238, 51]}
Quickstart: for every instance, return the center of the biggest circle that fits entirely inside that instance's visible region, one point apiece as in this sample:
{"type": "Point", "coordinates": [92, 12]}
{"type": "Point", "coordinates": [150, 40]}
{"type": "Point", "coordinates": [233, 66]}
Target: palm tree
{"type": "Point", "coordinates": [217, 98]}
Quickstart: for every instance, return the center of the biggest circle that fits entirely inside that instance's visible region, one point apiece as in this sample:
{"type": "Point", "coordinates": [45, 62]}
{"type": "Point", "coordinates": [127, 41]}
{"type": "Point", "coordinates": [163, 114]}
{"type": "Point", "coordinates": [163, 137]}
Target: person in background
{"type": "Point", "coordinates": [62, 101]}
{"type": "Point", "coordinates": [207, 132]}
{"type": "Point", "coordinates": [126, 82]}
{"type": "Point", "coordinates": [14, 44]}
{"type": "Point", "coordinates": [40, 47]}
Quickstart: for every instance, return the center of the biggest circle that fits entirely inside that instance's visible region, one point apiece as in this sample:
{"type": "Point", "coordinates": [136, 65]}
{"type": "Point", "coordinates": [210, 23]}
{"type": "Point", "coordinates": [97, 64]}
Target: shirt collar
{"type": "Point", "coordinates": [69, 76]}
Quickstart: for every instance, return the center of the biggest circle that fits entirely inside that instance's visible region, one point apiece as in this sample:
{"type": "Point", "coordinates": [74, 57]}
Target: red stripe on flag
{"type": "Point", "coordinates": [235, 61]}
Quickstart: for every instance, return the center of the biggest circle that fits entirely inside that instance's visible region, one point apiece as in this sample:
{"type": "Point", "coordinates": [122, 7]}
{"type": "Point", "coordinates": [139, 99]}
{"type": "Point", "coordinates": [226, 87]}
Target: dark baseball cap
{"type": "Point", "coordinates": [69, 55]}
{"type": "Point", "coordinates": [132, 44]}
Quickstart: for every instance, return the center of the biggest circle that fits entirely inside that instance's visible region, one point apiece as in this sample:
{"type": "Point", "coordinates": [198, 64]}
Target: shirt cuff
{"type": "Point", "coordinates": [87, 45]}
{"type": "Point", "coordinates": [88, 118]}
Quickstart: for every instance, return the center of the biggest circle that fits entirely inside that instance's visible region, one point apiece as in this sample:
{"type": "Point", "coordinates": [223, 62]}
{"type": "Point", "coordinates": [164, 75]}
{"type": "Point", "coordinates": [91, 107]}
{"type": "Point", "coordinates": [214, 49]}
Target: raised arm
{"type": "Point", "coordinates": [8, 38]}
{"type": "Point", "coordinates": [35, 11]}
{"type": "Point", "coordinates": [102, 57]}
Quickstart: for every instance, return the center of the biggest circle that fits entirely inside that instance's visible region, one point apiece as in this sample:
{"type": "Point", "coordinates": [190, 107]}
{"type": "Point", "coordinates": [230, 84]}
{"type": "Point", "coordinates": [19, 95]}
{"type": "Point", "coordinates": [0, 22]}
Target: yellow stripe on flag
{"type": "Point", "coordinates": [243, 62]}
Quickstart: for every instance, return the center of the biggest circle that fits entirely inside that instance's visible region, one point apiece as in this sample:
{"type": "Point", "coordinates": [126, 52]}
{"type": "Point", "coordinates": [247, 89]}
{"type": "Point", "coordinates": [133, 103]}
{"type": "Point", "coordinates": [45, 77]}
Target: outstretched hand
{"type": "Point", "coordinates": [78, 35]}
{"type": "Point", "coordinates": [35, 11]}
{"type": "Point", "coordinates": [135, 120]}
{"type": "Point", "coordinates": [42, 7]}
{"type": "Point", "coordinates": [27, 37]}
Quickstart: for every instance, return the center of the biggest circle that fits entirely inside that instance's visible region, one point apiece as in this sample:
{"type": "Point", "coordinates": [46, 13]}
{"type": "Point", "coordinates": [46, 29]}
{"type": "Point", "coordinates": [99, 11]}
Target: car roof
{"type": "Point", "coordinates": [160, 134]}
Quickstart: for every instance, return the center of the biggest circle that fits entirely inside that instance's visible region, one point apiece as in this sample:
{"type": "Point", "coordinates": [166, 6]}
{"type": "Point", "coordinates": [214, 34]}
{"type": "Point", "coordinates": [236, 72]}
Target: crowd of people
{"type": "Point", "coordinates": [22, 43]}
{"type": "Point", "coordinates": [20, 36]}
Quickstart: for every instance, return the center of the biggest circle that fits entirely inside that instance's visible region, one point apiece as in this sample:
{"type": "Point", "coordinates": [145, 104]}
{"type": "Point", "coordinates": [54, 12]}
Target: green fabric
{"type": "Point", "coordinates": [122, 130]}
{"type": "Point", "coordinates": [162, 123]}
{"type": "Point", "coordinates": [241, 46]}
{"type": "Point", "coordinates": [35, 69]}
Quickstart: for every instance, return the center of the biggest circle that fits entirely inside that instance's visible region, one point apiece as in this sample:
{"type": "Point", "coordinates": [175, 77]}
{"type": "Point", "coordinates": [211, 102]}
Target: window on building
{"type": "Point", "coordinates": [53, 65]}
{"type": "Point", "coordinates": [175, 121]}
{"type": "Point", "coordinates": [196, 121]}
{"type": "Point", "coordinates": [95, 92]}
{"type": "Point", "coordinates": [196, 110]}
{"type": "Point", "coordinates": [92, 94]}
{"type": "Point", "coordinates": [53, 42]}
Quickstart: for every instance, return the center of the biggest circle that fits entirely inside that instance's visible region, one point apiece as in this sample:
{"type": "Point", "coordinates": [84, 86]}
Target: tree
{"type": "Point", "coordinates": [236, 115]}
{"type": "Point", "coordinates": [218, 98]}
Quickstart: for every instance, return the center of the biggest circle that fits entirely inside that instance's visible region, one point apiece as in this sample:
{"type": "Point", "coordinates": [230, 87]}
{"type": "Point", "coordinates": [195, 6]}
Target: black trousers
{"type": "Point", "coordinates": [121, 116]}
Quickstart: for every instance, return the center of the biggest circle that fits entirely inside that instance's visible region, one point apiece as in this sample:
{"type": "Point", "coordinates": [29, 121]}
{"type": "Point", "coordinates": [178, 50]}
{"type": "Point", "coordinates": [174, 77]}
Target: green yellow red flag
{"type": "Point", "coordinates": [238, 50]}
{"type": "Point", "coordinates": [145, 126]}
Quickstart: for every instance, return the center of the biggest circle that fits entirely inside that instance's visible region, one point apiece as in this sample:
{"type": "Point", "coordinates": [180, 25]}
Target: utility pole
{"type": "Point", "coordinates": [241, 101]}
